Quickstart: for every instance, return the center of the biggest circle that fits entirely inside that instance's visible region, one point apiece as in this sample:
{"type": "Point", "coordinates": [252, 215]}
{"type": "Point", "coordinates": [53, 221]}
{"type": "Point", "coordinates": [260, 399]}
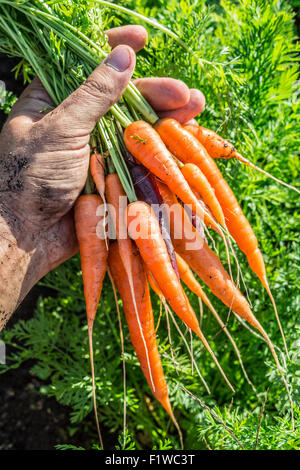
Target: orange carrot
{"type": "Point", "coordinates": [158, 292]}
{"type": "Point", "coordinates": [154, 285]}
{"type": "Point", "coordinates": [157, 382]}
{"type": "Point", "coordinates": [154, 375]}
{"type": "Point", "coordinates": [143, 227]}
{"type": "Point", "coordinates": [189, 279]}
{"type": "Point", "coordinates": [116, 197]}
{"type": "Point", "coordinates": [199, 183]}
{"type": "Point", "coordinates": [92, 249]}
{"type": "Point", "coordinates": [189, 150]}
{"type": "Point", "coordinates": [147, 147]}
{"type": "Point", "coordinates": [97, 167]}
{"type": "Point", "coordinates": [203, 261]}
{"type": "Point", "coordinates": [209, 268]}
{"type": "Point", "coordinates": [93, 255]}
{"type": "Point", "coordinates": [218, 147]}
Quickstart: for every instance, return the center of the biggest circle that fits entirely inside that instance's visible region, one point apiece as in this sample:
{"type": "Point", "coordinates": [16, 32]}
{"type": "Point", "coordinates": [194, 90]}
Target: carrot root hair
{"type": "Point", "coordinates": [123, 354]}
{"type": "Point", "coordinates": [201, 311]}
{"type": "Point", "coordinates": [168, 311]}
{"type": "Point", "coordinates": [207, 346]}
{"type": "Point", "coordinates": [90, 333]}
{"type": "Point", "coordinates": [163, 302]}
{"type": "Point", "coordinates": [159, 318]}
{"type": "Point", "coordinates": [257, 168]}
{"type": "Point", "coordinates": [177, 427]}
{"type": "Point", "coordinates": [282, 376]}
{"type": "Point", "coordinates": [141, 331]}
{"type": "Point", "coordinates": [277, 319]}
{"type": "Point", "coordinates": [234, 345]}
{"type": "Point", "coordinates": [272, 349]}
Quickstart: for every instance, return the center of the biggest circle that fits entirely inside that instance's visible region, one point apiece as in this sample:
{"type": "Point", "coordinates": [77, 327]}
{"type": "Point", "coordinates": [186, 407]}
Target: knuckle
{"type": "Point", "coordinates": [98, 88]}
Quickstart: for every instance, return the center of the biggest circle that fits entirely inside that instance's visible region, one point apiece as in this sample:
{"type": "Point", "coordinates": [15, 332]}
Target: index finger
{"type": "Point", "coordinates": [134, 36]}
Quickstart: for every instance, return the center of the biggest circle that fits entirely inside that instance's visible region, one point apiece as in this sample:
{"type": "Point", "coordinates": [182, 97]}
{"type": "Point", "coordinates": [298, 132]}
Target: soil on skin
{"type": "Point", "coordinates": [30, 420]}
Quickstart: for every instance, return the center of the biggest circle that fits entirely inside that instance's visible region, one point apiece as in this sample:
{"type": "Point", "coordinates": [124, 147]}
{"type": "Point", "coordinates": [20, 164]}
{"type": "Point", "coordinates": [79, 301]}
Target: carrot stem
{"type": "Point", "coordinates": [89, 187]}
{"type": "Point", "coordinates": [110, 166]}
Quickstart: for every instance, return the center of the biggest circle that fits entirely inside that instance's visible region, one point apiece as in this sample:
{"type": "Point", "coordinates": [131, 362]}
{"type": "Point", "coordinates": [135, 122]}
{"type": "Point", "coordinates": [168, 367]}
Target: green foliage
{"type": "Point", "coordinates": [273, 434]}
{"type": "Point", "coordinates": [7, 100]}
{"type": "Point", "coordinates": [68, 447]}
{"type": "Point", "coordinates": [127, 444]}
{"type": "Point", "coordinates": [244, 63]}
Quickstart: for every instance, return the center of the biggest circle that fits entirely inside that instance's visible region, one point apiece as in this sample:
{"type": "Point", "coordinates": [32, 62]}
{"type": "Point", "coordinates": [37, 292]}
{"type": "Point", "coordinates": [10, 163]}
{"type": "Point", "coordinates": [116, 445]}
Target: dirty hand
{"type": "Point", "coordinates": [44, 158]}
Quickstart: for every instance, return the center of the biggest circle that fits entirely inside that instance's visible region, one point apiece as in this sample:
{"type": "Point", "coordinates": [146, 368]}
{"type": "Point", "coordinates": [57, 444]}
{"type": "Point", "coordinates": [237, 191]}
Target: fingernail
{"type": "Point", "coordinates": [118, 59]}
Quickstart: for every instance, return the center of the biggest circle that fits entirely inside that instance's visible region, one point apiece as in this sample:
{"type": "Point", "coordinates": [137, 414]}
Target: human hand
{"type": "Point", "coordinates": [44, 156]}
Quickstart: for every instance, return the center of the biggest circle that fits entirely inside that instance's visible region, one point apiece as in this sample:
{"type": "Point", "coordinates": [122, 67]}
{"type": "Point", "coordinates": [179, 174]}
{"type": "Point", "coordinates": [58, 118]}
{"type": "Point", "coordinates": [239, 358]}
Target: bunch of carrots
{"type": "Point", "coordinates": [175, 196]}
{"type": "Point", "coordinates": [178, 186]}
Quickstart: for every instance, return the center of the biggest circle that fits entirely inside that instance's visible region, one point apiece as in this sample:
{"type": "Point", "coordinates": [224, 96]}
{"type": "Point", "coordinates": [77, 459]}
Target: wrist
{"type": "Point", "coordinates": [23, 261]}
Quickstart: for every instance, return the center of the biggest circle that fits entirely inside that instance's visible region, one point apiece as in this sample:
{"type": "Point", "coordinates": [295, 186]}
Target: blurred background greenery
{"type": "Point", "coordinates": [246, 65]}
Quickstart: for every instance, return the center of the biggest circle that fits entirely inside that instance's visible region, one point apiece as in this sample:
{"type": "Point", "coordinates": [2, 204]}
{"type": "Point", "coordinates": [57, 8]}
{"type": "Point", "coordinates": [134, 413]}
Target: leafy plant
{"type": "Point", "coordinates": [245, 65]}
{"type": "Point", "coordinates": [7, 100]}
{"type": "Point", "coordinates": [273, 434]}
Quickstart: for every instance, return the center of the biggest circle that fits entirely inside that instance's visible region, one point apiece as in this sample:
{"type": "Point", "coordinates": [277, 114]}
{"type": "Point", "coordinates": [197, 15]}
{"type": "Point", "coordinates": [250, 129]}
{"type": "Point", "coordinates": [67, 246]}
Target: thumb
{"type": "Point", "coordinates": [79, 113]}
